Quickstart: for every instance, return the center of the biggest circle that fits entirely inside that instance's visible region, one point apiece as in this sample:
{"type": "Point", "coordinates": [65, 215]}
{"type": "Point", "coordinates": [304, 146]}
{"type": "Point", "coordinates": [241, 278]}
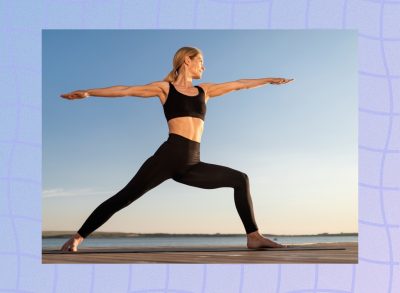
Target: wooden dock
{"type": "Point", "coordinates": [306, 253]}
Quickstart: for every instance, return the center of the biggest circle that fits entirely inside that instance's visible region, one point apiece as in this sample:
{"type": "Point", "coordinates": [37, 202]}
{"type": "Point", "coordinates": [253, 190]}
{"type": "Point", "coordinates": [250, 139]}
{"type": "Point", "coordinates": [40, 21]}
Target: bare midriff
{"type": "Point", "coordinates": [189, 127]}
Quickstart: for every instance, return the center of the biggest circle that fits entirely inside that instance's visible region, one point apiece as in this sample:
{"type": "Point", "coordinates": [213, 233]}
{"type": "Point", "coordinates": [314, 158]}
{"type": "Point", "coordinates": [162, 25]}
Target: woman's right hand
{"type": "Point", "coordinates": [75, 95]}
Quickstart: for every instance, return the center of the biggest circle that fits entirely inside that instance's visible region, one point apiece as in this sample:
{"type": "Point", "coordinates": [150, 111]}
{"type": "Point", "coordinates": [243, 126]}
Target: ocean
{"type": "Point", "coordinates": [187, 241]}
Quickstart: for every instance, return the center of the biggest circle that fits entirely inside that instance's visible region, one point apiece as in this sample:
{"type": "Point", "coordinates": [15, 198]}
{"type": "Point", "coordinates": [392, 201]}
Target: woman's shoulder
{"type": "Point", "coordinates": [160, 83]}
{"type": "Point", "coordinates": [163, 85]}
{"type": "Point", "coordinates": [205, 86]}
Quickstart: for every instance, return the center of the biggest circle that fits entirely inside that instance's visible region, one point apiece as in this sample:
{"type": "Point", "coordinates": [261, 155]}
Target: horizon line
{"type": "Point", "coordinates": [63, 233]}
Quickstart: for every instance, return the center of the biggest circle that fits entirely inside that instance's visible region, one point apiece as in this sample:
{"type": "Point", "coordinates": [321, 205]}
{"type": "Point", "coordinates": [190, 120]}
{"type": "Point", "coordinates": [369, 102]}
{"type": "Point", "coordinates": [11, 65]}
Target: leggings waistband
{"type": "Point", "coordinates": [173, 137]}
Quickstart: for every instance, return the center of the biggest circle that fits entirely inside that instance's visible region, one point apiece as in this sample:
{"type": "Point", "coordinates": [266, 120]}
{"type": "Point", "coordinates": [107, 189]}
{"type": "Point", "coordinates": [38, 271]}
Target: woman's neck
{"type": "Point", "coordinates": [184, 81]}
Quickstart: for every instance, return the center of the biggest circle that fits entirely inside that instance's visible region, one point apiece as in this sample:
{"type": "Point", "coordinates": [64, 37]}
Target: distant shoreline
{"type": "Point", "coordinates": [62, 234]}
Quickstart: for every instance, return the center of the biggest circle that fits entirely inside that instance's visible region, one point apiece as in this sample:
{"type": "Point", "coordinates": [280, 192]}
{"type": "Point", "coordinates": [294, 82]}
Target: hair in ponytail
{"type": "Point", "coordinates": [179, 59]}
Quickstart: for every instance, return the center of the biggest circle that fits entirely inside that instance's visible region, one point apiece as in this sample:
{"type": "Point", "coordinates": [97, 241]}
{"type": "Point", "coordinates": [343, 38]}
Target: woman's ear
{"type": "Point", "coordinates": [187, 60]}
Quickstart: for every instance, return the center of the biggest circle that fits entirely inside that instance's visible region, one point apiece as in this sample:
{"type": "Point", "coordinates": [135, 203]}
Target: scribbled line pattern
{"type": "Point", "coordinates": [22, 18]}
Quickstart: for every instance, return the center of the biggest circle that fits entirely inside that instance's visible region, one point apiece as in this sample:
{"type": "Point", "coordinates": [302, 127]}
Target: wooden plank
{"type": "Point", "coordinates": [308, 253]}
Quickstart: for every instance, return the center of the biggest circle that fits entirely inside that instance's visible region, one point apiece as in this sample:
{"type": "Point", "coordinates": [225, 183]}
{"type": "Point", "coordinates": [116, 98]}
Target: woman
{"type": "Point", "coordinates": [179, 157]}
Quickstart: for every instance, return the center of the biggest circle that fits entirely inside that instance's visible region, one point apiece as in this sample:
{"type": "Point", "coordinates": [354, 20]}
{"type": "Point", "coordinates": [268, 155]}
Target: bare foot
{"type": "Point", "coordinates": [256, 240]}
{"type": "Point", "coordinates": [72, 243]}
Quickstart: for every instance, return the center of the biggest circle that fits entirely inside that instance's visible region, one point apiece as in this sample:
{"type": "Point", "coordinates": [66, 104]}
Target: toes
{"type": "Point", "coordinates": [65, 246]}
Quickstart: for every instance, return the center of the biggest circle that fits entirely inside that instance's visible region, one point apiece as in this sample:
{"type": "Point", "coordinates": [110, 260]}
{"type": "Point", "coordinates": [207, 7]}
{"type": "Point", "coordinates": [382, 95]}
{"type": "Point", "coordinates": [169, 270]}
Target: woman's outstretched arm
{"type": "Point", "coordinates": [219, 89]}
{"type": "Point", "coordinates": [144, 91]}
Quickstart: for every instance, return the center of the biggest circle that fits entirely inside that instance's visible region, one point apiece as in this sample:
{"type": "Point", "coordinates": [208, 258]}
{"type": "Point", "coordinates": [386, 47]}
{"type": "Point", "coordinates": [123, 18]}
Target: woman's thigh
{"type": "Point", "coordinates": [153, 172]}
{"type": "Point", "coordinates": [210, 176]}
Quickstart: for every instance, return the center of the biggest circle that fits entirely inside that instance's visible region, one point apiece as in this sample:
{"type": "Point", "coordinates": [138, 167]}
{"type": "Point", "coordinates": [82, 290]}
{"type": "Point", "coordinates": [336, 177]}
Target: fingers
{"type": "Point", "coordinates": [282, 81]}
{"type": "Point", "coordinates": [286, 80]}
{"type": "Point", "coordinates": [67, 96]}
{"type": "Point", "coordinates": [74, 95]}
{"type": "Point", "coordinates": [70, 96]}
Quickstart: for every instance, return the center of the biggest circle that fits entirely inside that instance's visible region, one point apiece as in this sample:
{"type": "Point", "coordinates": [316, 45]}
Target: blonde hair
{"type": "Point", "coordinates": [179, 59]}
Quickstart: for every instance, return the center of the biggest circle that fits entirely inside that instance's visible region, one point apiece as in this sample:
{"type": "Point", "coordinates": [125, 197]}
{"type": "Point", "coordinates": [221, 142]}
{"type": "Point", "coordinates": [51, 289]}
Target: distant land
{"type": "Point", "coordinates": [62, 234]}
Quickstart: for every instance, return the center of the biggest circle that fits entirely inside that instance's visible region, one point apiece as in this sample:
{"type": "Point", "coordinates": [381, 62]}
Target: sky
{"type": "Point", "coordinates": [297, 142]}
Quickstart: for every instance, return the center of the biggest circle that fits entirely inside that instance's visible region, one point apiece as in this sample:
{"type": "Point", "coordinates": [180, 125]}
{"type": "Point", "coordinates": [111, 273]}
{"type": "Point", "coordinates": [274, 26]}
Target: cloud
{"type": "Point", "coordinates": [60, 192]}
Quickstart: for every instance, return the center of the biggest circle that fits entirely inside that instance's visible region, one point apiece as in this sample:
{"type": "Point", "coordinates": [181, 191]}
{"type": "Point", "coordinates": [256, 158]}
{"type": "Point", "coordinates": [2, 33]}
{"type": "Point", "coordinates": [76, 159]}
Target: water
{"type": "Point", "coordinates": [173, 241]}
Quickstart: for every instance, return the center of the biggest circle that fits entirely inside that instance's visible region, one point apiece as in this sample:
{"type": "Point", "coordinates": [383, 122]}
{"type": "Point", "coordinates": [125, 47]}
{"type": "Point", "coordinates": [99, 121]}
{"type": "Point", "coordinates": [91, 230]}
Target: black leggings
{"type": "Point", "coordinates": [177, 158]}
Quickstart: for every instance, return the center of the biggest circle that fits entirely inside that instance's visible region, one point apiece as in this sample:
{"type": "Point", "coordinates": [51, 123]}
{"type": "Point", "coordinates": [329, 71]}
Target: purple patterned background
{"type": "Point", "coordinates": [378, 26]}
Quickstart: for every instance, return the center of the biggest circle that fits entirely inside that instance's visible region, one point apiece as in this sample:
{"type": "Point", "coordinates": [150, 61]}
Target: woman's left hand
{"type": "Point", "coordinates": [280, 80]}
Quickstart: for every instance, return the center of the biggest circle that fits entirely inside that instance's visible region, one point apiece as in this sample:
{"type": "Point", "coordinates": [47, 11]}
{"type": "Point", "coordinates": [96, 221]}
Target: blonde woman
{"type": "Point", "coordinates": [179, 156]}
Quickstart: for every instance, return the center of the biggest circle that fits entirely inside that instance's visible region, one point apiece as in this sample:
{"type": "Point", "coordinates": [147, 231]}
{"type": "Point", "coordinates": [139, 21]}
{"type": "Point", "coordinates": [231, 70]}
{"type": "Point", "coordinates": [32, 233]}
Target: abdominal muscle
{"type": "Point", "coordinates": [189, 127]}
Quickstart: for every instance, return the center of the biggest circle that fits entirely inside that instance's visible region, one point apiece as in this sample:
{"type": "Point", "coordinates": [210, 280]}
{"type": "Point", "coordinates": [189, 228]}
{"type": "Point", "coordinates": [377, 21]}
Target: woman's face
{"type": "Point", "coordinates": [196, 66]}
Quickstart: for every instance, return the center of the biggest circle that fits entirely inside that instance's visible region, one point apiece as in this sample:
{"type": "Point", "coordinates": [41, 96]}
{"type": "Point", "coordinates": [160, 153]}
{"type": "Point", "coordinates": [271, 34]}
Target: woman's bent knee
{"type": "Point", "coordinates": [245, 179]}
{"type": "Point", "coordinates": [241, 180]}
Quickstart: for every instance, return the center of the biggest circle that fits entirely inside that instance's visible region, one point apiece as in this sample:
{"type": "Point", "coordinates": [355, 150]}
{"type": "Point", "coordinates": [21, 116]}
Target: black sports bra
{"type": "Point", "coordinates": [180, 105]}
